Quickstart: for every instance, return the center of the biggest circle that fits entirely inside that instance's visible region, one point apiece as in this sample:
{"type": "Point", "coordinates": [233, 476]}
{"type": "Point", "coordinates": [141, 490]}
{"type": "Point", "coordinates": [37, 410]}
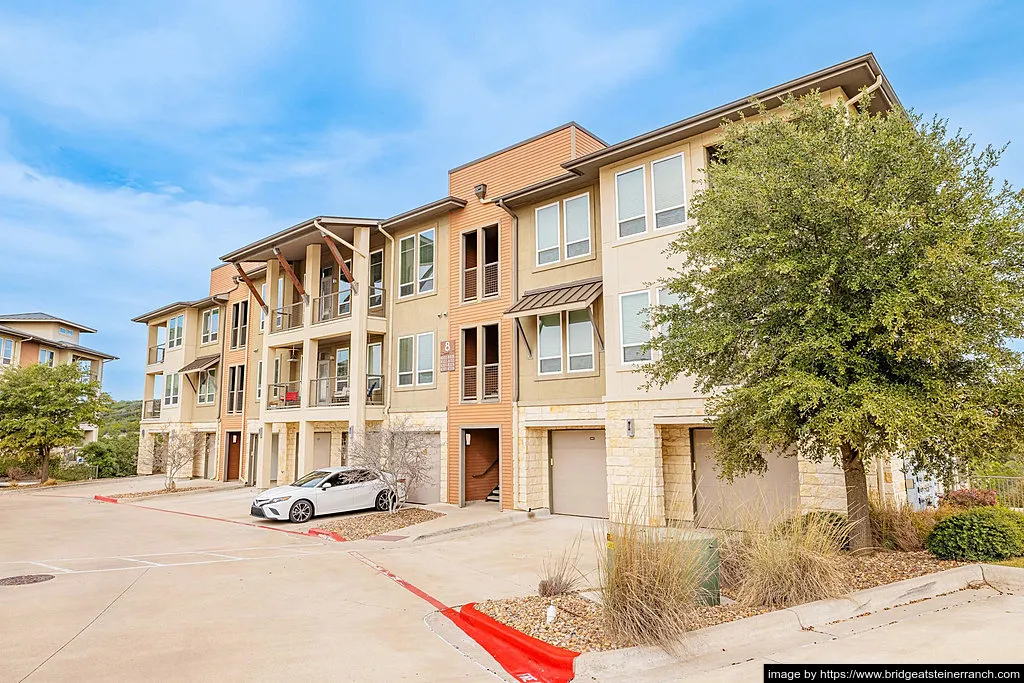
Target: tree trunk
{"type": "Point", "coordinates": [856, 498]}
{"type": "Point", "coordinates": [44, 467]}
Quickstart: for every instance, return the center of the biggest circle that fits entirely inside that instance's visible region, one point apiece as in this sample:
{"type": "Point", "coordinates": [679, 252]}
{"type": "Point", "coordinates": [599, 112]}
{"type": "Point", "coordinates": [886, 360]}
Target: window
{"type": "Point", "coordinates": [84, 368]}
{"type": "Point", "coordinates": [631, 202]}
{"type": "Point", "coordinates": [236, 388]}
{"type": "Point", "coordinates": [577, 226]}
{"type": "Point", "coordinates": [211, 325]}
{"type": "Point", "coordinates": [405, 353]}
{"type": "Point", "coordinates": [207, 387]}
{"type": "Point", "coordinates": [666, 298]}
{"type": "Point", "coordinates": [415, 264]}
{"type": "Point", "coordinates": [66, 332]}
{"type": "Point", "coordinates": [481, 275]}
{"type": "Point", "coordinates": [669, 192]}
{"type": "Point", "coordinates": [259, 380]}
{"type": "Point", "coordinates": [239, 324]}
{"type": "Point", "coordinates": [263, 311]}
{"type": "Point", "coordinates": [277, 371]}
{"type": "Point", "coordinates": [373, 359]}
{"type": "Point", "coordinates": [171, 386]}
{"type": "Point", "coordinates": [635, 333]}
{"type": "Point", "coordinates": [549, 344]}
{"type": "Point", "coordinates": [46, 357]}
{"type": "Point", "coordinates": [547, 234]}
{"type": "Point", "coordinates": [376, 279]}
{"type": "Point", "coordinates": [425, 358]}
{"type": "Point", "coordinates": [6, 351]}
{"type": "Point", "coordinates": [580, 341]}
{"type": "Point", "coordinates": [175, 331]}
{"type": "Point", "coordinates": [341, 369]}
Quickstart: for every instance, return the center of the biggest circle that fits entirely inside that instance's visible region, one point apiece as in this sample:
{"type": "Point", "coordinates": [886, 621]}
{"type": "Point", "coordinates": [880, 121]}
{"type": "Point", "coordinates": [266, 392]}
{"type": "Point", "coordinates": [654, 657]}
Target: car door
{"type": "Point", "coordinates": [364, 489]}
{"type": "Point", "coordinates": [334, 498]}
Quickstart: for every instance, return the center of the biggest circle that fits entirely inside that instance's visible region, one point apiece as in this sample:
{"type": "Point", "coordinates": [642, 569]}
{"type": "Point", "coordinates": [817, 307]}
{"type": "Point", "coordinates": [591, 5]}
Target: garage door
{"type": "Point", "coordinates": [579, 483]}
{"type": "Point", "coordinates": [429, 490]}
{"type": "Point", "coordinates": [321, 450]}
{"type": "Point", "coordinates": [721, 504]}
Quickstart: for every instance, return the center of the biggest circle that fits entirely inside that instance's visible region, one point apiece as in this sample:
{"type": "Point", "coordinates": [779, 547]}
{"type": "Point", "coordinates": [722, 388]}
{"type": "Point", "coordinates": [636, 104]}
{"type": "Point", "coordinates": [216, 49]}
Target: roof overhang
{"type": "Point", "coordinates": [570, 296]}
{"type": "Point", "coordinates": [546, 189]}
{"type": "Point", "coordinates": [179, 305]}
{"type": "Point", "coordinates": [293, 241]}
{"type": "Point", "coordinates": [12, 332]}
{"type": "Point", "coordinates": [424, 213]}
{"type": "Point", "coordinates": [200, 364]}
{"type": "Point", "coordinates": [851, 76]}
{"type": "Point", "coordinates": [47, 319]}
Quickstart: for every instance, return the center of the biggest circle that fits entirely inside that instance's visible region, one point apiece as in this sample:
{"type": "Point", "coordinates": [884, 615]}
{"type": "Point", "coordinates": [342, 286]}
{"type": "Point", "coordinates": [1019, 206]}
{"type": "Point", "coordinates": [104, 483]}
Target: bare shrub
{"type": "Point", "coordinates": [792, 560]}
{"type": "Point", "coordinates": [560, 574]}
{"type": "Point", "coordinates": [179, 449]}
{"type": "Point", "coordinates": [397, 454]}
{"type": "Point", "coordinates": [652, 579]}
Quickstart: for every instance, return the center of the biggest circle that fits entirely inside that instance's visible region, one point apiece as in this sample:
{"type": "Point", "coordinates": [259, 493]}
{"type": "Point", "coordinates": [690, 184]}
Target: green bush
{"type": "Point", "coordinates": [115, 456]}
{"type": "Point", "coordinates": [979, 534]}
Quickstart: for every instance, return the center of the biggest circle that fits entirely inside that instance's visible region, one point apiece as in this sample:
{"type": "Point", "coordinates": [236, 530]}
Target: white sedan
{"type": "Point", "coordinates": [325, 491]}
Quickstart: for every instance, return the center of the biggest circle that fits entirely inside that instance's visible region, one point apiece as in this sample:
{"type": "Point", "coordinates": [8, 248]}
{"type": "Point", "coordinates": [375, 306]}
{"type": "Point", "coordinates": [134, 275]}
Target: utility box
{"type": "Point", "coordinates": [703, 542]}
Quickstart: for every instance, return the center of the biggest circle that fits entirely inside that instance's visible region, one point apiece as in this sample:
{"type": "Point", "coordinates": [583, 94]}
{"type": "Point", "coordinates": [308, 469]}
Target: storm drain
{"type": "Point", "coordinates": [25, 579]}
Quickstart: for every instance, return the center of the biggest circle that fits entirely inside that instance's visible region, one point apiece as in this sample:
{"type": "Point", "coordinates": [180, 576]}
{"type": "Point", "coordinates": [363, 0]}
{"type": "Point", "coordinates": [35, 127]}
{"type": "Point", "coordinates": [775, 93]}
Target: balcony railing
{"type": "Point", "coordinates": [490, 279]}
{"type": "Point", "coordinates": [491, 382]}
{"type": "Point", "coordinates": [332, 306]}
{"type": "Point", "coordinates": [374, 390]}
{"type": "Point", "coordinates": [287, 317]}
{"type": "Point", "coordinates": [469, 284]}
{"type": "Point", "coordinates": [156, 354]}
{"type": "Point", "coordinates": [376, 300]}
{"type": "Point", "coordinates": [283, 395]}
{"type": "Point", "coordinates": [329, 391]}
{"type": "Point", "coordinates": [469, 383]}
{"type": "Point", "coordinates": [151, 409]}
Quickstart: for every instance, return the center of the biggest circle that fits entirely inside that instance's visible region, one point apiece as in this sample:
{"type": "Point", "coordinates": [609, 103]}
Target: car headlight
{"type": "Point", "coordinates": [278, 500]}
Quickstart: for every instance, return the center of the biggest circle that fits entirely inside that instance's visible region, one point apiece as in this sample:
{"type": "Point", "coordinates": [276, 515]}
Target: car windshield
{"type": "Point", "coordinates": [312, 479]}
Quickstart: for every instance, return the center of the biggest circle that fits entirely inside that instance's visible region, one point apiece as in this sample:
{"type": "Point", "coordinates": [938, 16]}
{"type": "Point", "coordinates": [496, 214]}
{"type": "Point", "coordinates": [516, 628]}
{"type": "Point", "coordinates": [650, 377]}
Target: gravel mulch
{"type": "Point", "coordinates": [579, 626]}
{"type": "Point", "coordinates": [378, 523]}
{"type": "Point", "coordinates": [156, 492]}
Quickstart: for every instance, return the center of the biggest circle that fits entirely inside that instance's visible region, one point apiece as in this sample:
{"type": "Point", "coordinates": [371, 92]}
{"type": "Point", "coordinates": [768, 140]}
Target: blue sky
{"type": "Point", "coordinates": [139, 141]}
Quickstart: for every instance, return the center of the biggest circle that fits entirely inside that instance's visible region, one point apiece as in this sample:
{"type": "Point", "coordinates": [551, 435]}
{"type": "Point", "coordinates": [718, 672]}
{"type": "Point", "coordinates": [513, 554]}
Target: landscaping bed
{"type": "Point", "coordinates": [156, 492]}
{"type": "Point", "coordinates": [377, 523]}
{"type": "Point", "coordinates": [580, 627]}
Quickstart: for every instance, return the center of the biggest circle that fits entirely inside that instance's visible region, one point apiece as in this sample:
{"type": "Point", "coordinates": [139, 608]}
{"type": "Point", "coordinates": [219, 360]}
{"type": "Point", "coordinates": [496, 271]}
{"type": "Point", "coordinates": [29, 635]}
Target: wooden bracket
{"type": "Point", "coordinates": [333, 248]}
{"type": "Point", "coordinates": [252, 288]}
{"type": "Point", "coordinates": [291, 276]}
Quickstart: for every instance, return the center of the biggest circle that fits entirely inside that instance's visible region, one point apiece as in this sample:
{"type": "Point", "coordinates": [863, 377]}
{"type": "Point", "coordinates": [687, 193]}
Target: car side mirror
{"type": "Point", "coordinates": [326, 486]}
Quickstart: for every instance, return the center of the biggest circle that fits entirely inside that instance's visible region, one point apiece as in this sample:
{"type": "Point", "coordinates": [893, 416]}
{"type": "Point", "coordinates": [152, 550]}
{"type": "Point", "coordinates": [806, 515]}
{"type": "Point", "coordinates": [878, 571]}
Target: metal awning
{"type": "Point", "coordinates": [200, 364]}
{"type": "Point", "coordinates": [570, 296]}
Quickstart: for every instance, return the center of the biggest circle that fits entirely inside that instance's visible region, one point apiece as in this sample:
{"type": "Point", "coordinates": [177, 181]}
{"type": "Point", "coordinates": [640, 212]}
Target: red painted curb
{"type": "Point", "coordinates": [105, 499]}
{"type": "Point", "coordinates": [556, 660]}
{"type": "Point", "coordinates": [324, 533]}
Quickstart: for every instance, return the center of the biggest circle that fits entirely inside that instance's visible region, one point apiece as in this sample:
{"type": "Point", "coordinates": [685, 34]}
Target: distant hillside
{"type": "Point", "coordinates": [123, 418]}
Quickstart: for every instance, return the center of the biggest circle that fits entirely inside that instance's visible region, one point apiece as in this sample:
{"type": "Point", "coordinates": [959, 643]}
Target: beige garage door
{"type": "Point", "coordinates": [724, 505]}
{"type": "Point", "coordinates": [429, 490]}
{"type": "Point", "coordinates": [579, 482]}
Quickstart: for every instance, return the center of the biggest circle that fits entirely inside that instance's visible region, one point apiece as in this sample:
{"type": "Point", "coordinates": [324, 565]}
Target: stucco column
{"type": "Point", "coordinates": [263, 473]}
{"type": "Point", "coordinates": [305, 454]}
{"type": "Point", "coordinates": [360, 299]}
{"type": "Point", "coordinates": [311, 281]}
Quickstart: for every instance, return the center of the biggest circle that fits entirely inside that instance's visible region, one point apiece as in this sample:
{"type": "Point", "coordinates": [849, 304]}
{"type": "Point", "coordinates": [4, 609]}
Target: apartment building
{"type": "Point", "coordinates": [507, 321]}
{"type": "Point", "coordinates": [28, 338]}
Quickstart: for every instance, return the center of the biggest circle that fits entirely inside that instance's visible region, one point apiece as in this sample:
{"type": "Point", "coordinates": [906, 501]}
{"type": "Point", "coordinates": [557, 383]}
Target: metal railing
{"type": "Point", "coordinates": [283, 395]}
{"type": "Point", "coordinates": [151, 409]}
{"type": "Point", "coordinates": [469, 284]}
{"type": "Point", "coordinates": [332, 306]}
{"type": "Point", "coordinates": [1009, 490]}
{"type": "Point", "coordinates": [376, 299]}
{"type": "Point", "coordinates": [286, 317]}
{"type": "Point", "coordinates": [329, 391]}
{"type": "Point", "coordinates": [375, 390]}
{"type": "Point", "coordinates": [491, 382]}
{"type": "Point", "coordinates": [156, 354]}
{"type": "Point", "coordinates": [469, 383]}
{"type": "Point", "coordinates": [490, 279]}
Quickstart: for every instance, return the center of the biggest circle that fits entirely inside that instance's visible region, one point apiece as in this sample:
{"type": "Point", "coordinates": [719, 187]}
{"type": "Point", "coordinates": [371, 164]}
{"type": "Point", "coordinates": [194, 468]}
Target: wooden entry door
{"type": "Point", "coordinates": [234, 454]}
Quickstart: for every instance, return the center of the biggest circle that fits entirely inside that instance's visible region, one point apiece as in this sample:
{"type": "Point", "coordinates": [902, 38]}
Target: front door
{"type": "Point", "coordinates": [326, 290]}
{"type": "Point", "coordinates": [321, 449]}
{"type": "Point", "coordinates": [234, 455]}
{"type": "Point", "coordinates": [323, 382]}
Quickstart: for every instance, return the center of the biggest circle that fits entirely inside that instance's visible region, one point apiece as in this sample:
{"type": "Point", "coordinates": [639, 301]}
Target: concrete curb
{"type": "Point", "coordinates": [324, 533]}
{"type": "Point", "coordinates": [764, 627]}
{"type": "Point", "coordinates": [105, 499]}
{"type": "Point", "coordinates": [188, 492]}
{"type": "Point", "coordinates": [506, 519]}
{"type": "Point", "coordinates": [551, 657]}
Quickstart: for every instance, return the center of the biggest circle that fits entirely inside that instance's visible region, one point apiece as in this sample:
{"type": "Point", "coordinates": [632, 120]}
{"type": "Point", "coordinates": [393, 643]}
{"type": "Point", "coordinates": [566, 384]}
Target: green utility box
{"type": "Point", "coordinates": [706, 542]}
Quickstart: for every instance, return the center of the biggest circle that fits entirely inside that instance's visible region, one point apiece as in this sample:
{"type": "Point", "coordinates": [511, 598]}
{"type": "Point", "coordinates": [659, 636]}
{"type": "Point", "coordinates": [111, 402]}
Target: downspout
{"type": "Point", "coordinates": [515, 294]}
{"type": "Point", "coordinates": [870, 89]}
{"type": "Point", "coordinates": [390, 303]}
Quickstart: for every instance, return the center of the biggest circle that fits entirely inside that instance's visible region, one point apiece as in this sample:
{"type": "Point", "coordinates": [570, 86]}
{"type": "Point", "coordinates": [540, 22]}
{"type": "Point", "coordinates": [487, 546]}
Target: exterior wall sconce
{"type": "Point", "coordinates": [630, 428]}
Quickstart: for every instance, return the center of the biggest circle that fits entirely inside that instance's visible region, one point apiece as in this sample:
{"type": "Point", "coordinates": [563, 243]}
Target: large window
{"type": "Point", "coordinates": [207, 387]}
{"type": "Point", "coordinates": [259, 380]}
{"type": "Point", "coordinates": [341, 369]}
{"type": "Point", "coordinates": [563, 230]}
{"type": "Point", "coordinates": [172, 384]}
{"type": "Point", "coordinates": [175, 331]}
{"type": "Point", "coordinates": [416, 263]}
{"type": "Point", "coordinates": [580, 341]}
{"type": "Point", "coordinates": [6, 351]}
{"type": "Point", "coordinates": [666, 298]}
{"type": "Point", "coordinates": [631, 202]}
{"type": "Point", "coordinates": [549, 344]}
{"type": "Point", "coordinates": [239, 324]}
{"type": "Point", "coordinates": [577, 226]}
{"type": "Point", "coordinates": [376, 279]}
{"type": "Point", "coordinates": [263, 311]}
{"type": "Point", "coordinates": [416, 360]}
{"type": "Point", "coordinates": [236, 388]}
{"type": "Point", "coordinates": [576, 344]}
{"type": "Point", "coordinates": [46, 357]}
{"type": "Point", "coordinates": [547, 234]}
{"type": "Point", "coordinates": [211, 325]}
{"type": "Point", "coordinates": [669, 192]}
{"type": "Point", "coordinates": [635, 326]}
{"type": "Point", "coordinates": [405, 361]}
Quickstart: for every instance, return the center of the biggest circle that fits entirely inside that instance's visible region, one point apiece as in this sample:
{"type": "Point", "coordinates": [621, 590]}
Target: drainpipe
{"type": "Point", "coordinates": [390, 304]}
{"type": "Point", "coordinates": [870, 89]}
{"type": "Point", "coordinates": [515, 295]}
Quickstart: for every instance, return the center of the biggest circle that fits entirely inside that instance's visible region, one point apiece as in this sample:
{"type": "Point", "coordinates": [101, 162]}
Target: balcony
{"type": "Point", "coordinates": [151, 410]}
{"type": "Point", "coordinates": [491, 381]}
{"type": "Point", "coordinates": [155, 355]}
{"type": "Point", "coordinates": [375, 390]}
{"type": "Point", "coordinates": [287, 317]}
{"type": "Point", "coordinates": [469, 284]}
{"type": "Point", "coordinates": [333, 306]}
{"type": "Point", "coordinates": [490, 279]}
{"type": "Point", "coordinates": [329, 391]}
{"type": "Point", "coordinates": [283, 395]}
{"type": "Point", "coordinates": [469, 383]}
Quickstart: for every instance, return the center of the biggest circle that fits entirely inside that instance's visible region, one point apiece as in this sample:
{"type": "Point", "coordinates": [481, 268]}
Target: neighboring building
{"type": "Point", "coordinates": [506, 320]}
{"type": "Point", "coordinates": [28, 338]}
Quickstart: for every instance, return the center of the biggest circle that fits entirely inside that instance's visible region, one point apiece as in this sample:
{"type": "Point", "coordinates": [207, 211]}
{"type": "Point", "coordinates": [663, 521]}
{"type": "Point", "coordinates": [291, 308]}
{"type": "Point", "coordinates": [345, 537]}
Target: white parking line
{"type": "Point", "coordinates": [146, 562]}
{"type": "Point", "coordinates": [49, 566]}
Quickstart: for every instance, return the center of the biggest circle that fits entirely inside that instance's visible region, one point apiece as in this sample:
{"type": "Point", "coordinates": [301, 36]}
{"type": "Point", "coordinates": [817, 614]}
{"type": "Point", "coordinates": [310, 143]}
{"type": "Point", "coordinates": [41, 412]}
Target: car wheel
{"type": "Point", "coordinates": [384, 499]}
{"type": "Point", "coordinates": [302, 511]}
